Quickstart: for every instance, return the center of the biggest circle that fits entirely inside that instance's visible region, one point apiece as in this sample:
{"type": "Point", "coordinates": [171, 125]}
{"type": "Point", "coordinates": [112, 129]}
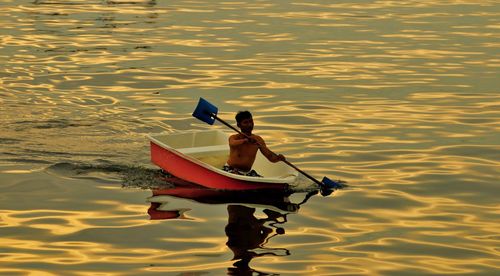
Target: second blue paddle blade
{"type": "Point", "coordinates": [205, 111]}
{"type": "Point", "coordinates": [331, 184]}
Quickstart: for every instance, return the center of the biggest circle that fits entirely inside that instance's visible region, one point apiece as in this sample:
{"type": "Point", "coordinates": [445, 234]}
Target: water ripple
{"type": "Point", "coordinates": [400, 99]}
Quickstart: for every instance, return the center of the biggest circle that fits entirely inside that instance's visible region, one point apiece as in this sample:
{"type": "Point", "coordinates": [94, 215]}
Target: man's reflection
{"type": "Point", "coordinates": [246, 234]}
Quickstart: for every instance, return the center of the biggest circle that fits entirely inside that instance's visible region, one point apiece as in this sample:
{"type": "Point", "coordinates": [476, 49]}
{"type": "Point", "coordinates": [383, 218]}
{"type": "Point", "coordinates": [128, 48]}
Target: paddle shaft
{"type": "Point", "coordinates": [228, 125]}
{"type": "Point", "coordinates": [286, 161]}
{"type": "Point", "coordinates": [303, 172]}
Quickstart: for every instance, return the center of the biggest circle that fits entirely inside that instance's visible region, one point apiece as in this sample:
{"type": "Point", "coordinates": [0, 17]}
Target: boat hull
{"type": "Point", "coordinates": [190, 170]}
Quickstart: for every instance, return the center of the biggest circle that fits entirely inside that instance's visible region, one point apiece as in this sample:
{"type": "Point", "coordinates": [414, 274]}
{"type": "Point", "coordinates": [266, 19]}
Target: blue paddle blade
{"type": "Point", "coordinates": [205, 111]}
{"type": "Point", "coordinates": [330, 184]}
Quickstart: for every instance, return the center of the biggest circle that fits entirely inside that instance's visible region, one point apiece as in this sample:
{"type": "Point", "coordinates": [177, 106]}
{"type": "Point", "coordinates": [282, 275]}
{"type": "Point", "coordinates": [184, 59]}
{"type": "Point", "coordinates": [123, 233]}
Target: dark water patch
{"type": "Point", "coordinates": [72, 2]}
{"type": "Point", "coordinates": [148, 3]}
{"type": "Point", "coordinates": [49, 124]}
{"type": "Point", "coordinates": [63, 50]}
{"type": "Point", "coordinates": [23, 160]}
{"type": "Point", "coordinates": [47, 153]}
{"type": "Point", "coordinates": [106, 18]}
{"type": "Point", "coordinates": [142, 47]}
{"type": "Point", "coordinates": [9, 141]}
{"type": "Point", "coordinates": [478, 121]}
{"type": "Point", "coordinates": [187, 76]}
{"type": "Point", "coordinates": [247, 84]}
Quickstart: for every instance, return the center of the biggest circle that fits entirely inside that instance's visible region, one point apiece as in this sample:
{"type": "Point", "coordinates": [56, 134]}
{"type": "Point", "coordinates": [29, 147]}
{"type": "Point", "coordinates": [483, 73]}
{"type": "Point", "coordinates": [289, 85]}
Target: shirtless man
{"type": "Point", "coordinates": [243, 150]}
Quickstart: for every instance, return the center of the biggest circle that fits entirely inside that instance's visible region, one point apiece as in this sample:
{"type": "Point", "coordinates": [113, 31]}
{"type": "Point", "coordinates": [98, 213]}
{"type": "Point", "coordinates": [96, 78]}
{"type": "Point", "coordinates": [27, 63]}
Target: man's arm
{"type": "Point", "coordinates": [269, 154]}
{"type": "Point", "coordinates": [235, 141]}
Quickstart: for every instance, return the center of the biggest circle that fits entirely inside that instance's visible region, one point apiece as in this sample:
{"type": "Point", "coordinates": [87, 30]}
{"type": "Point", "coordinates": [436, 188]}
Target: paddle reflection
{"type": "Point", "coordinates": [248, 234]}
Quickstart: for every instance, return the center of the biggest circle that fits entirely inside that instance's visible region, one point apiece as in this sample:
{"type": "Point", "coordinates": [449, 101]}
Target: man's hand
{"type": "Point", "coordinates": [280, 157]}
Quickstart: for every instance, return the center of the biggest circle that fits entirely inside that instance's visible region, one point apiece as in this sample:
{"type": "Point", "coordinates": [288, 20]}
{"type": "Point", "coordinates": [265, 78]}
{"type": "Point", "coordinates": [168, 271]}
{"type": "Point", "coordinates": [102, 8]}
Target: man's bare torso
{"type": "Point", "coordinates": [243, 156]}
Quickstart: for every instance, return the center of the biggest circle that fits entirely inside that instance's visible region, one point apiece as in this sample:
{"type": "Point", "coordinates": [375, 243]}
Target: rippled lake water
{"type": "Point", "coordinates": [401, 99]}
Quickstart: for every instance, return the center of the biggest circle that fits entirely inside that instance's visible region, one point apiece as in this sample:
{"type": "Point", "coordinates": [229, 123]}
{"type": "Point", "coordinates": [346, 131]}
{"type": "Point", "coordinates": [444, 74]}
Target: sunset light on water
{"type": "Point", "coordinates": [398, 99]}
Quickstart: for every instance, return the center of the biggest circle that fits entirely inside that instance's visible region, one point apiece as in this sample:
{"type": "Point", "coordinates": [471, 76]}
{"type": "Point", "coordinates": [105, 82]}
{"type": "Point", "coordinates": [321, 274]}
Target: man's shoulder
{"type": "Point", "coordinates": [234, 136]}
{"type": "Point", "coordinates": [257, 137]}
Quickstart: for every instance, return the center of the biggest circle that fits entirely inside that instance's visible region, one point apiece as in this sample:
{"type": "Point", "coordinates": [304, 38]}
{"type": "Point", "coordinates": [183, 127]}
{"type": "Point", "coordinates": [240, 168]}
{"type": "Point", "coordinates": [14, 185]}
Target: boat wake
{"type": "Point", "coordinates": [108, 172]}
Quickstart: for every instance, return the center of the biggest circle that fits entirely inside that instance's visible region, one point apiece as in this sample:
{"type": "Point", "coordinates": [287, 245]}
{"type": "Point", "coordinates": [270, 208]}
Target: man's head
{"type": "Point", "coordinates": [244, 121]}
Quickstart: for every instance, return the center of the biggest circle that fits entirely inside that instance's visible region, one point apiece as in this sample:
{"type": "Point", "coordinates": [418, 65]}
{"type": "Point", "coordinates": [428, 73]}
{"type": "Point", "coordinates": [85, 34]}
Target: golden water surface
{"type": "Point", "coordinates": [401, 99]}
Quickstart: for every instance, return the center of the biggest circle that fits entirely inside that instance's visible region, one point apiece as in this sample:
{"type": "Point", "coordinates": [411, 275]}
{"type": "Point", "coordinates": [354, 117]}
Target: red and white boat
{"type": "Point", "coordinates": [198, 157]}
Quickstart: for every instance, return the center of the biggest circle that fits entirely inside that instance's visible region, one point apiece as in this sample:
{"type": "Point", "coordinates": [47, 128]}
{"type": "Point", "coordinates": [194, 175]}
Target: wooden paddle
{"type": "Point", "coordinates": [207, 112]}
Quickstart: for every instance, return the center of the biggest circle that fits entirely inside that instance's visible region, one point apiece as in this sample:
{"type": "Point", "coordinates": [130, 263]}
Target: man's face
{"type": "Point", "coordinates": [246, 125]}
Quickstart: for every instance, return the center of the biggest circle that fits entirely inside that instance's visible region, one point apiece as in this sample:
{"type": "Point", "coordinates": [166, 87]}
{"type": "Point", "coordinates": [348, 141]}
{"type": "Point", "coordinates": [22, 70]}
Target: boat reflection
{"type": "Point", "coordinates": [247, 234]}
{"type": "Point", "coordinates": [272, 199]}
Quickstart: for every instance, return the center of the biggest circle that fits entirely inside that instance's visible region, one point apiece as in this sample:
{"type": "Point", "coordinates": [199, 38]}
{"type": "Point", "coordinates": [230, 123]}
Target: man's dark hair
{"type": "Point", "coordinates": [242, 115]}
